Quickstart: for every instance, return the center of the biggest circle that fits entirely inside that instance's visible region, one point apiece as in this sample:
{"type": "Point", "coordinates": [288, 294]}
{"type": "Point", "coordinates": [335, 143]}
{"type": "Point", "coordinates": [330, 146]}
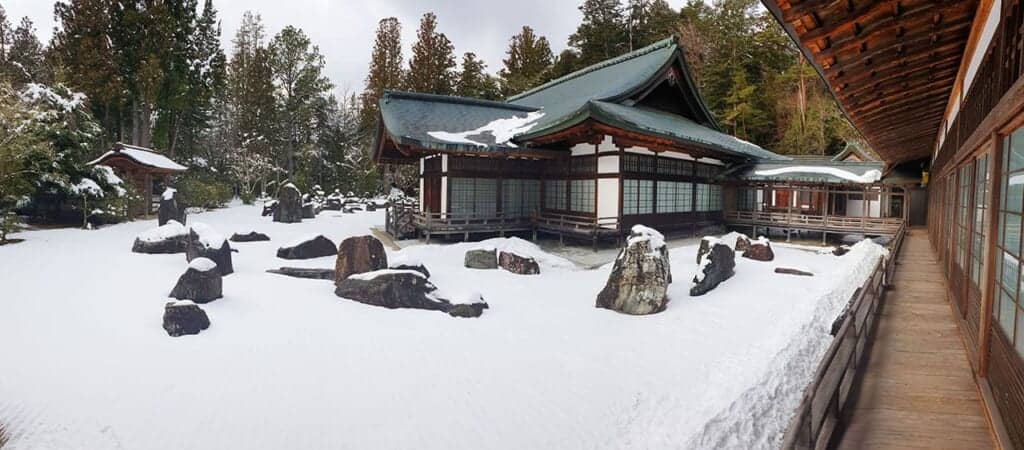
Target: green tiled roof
{"type": "Point", "coordinates": [602, 92]}
{"type": "Point", "coordinates": [409, 118]}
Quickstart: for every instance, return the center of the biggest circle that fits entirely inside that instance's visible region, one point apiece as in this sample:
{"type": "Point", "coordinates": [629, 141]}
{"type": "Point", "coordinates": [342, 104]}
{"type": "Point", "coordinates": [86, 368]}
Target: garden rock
{"type": "Point", "coordinates": [184, 317]}
{"type": "Point", "coordinates": [392, 289]}
{"type": "Point", "coordinates": [791, 271]}
{"type": "Point", "coordinates": [289, 205]}
{"type": "Point", "coordinates": [302, 272]}
{"type": "Point", "coordinates": [251, 236]}
{"type": "Point", "coordinates": [406, 264]}
{"type": "Point", "coordinates": [370, 207]}
{"type": "Point", "coordinates": [201, 283]}
{"type": "Point", "coordinates": [481, 258]}
{"type": "Point", "coordinates": [521, 265]}
{"type": "Point", "coordinates": [316, 247]}
{"type": "Point", "coordinates": [705, 247]}
{"type": "Point", "coordinates": [640, 277]}
{"type": "Point", "coordinates": [742, 243]}
{"type": "Point", "coordinates": [715, 267]}
{"type": "Point", "coordinates": [467, 310]}
{"type": "Point", "coordinates": [359, 254]}
{"type": "Point", "coordinates": [308, 211]}
{"type": "Point", "coordinates": [841, 250]}
{"type": "Point", "coordinates": [760, 250]}
{"type": "Point", "coordinates": [171, 237]}
{"type": "Point", "coordinates": [205, 242]}
{"type": "Point", "coordinates": [269, 208]}
{"type": "Point", "coordinates": [170, 208]}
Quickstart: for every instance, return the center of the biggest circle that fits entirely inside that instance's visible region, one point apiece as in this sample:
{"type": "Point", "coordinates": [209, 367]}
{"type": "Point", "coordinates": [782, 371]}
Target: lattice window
{"type": "Point", "coordinates": [637, 197]}
{"type": "Point", "coordinates": [674, 197]}
{"type": "Point", "coordinates": [582, 196]}
{"type": "Point", "coordinates": [476, 197]}
{"type": "Point", "coordinates": [1008, 305]}
{"type": "Point", "coordinates": [555, 195]}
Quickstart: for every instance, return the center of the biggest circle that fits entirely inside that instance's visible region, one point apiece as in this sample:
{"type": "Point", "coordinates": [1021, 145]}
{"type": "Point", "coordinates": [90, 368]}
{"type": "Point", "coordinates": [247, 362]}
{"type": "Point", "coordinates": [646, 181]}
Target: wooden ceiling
{"type": "Point", "coordinates": [890, 64]}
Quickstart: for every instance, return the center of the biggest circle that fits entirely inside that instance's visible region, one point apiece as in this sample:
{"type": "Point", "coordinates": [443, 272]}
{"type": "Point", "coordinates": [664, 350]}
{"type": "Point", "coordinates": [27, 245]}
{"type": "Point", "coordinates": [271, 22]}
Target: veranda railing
{"type": "Point", "coordinates": [830, 393]}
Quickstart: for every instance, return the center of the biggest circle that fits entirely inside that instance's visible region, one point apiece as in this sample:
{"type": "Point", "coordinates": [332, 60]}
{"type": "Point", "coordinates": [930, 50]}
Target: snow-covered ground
{"type": "Point", "coordinates": [84, 362]}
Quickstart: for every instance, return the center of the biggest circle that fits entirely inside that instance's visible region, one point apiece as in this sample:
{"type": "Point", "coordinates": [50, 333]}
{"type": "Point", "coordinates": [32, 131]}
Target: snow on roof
{"type": "Point", "coordinates": [202, 264]}
{"type": "Point", "coordinates": [144, 156]}
{"type": "Point", "coordinates": [870, 176]}
{"type": "Point", "coordinates": [503, 130]}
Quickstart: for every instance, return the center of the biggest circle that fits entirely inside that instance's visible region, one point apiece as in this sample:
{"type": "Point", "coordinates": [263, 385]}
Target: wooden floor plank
{"type": "Point", "coordinates": [918, 390]}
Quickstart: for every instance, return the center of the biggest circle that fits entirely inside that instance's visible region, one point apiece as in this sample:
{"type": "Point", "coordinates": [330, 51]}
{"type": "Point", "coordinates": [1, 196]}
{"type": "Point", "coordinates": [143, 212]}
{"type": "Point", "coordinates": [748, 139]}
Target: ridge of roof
{"type": "Point", "coordinates": [667, 42]}
{"type": "Point", "coordinates": [389, 94]}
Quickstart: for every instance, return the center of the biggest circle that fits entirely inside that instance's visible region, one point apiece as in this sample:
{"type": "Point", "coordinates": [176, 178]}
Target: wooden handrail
{"type": "Point", "coordinates": [825, 400]}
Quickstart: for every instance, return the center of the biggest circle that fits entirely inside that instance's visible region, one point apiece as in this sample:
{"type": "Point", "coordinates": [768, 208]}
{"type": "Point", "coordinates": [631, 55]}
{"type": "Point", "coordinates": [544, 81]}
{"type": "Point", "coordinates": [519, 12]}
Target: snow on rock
{"type": "Point", "coordinates": [169, 193]}
{"type": "Point", "coordinates": [208, 236]}
{"type": "Point", "coordinates": [502, 130]}
{"type": "Point", "coordinates": [377, 273]}
{"type": "Point", "coordinates": [202, 264]}
{"type": "Point", "coordinates": [870, 176]}
{"type": "Point", "coordinates": [641, 233]}
{"type": "Point", "coordinates": [171, 229]}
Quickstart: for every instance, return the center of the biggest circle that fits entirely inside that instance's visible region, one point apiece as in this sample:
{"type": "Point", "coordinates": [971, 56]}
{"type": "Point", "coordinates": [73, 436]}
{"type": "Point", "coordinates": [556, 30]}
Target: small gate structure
{"type": "Point", "coordinates": [400, 217]}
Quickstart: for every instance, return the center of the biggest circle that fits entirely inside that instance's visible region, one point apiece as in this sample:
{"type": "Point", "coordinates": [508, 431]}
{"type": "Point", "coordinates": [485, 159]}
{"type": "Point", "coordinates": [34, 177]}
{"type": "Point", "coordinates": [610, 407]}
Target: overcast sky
{"type": "Point", "coordinates": [344, 29]}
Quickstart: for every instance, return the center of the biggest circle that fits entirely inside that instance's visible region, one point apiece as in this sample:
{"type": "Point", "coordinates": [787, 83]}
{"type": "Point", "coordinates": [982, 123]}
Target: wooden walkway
{"type": "Point", "coordinates": [918, 390]}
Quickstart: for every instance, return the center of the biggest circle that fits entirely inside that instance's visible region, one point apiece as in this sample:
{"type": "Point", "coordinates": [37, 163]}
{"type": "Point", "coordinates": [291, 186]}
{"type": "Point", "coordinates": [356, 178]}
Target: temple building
{"type": "Point", "coordinates": [588, 155]}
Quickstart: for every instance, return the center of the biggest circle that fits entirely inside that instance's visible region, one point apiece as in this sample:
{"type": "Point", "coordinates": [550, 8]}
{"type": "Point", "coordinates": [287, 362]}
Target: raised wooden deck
{"type": "Point", "coordinates": [918, 390]}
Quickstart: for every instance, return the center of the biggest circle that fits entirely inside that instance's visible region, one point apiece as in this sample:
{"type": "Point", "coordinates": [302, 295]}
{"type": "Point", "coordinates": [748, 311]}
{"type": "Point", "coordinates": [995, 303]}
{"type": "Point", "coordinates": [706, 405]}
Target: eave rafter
{"type": "Point", "coordinates": [891, 64]}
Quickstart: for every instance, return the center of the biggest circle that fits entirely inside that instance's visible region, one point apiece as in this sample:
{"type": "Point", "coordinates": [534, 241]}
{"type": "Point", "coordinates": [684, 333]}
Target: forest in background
{"type": "Point", "coordinates": [153, 73]}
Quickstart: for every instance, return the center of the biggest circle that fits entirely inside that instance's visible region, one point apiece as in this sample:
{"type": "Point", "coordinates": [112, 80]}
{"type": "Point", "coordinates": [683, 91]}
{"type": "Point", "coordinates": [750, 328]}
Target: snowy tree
{"type": "Point", "coordinates": [432, 65]}
{"type": "Point", "coordinates": [24, 57]}
{"type": "Point", "coordinates": [527, 58]}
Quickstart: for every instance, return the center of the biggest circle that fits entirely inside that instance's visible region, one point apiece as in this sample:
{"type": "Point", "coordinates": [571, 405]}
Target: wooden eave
{"type": "Point", "coordinates": [890, 64]}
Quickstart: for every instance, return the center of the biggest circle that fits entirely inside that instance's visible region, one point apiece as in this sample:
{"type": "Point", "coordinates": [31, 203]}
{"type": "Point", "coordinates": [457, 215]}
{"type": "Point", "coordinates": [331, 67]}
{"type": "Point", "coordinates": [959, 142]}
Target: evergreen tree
{"type": "Point", "coordinates": [566, 62]}
{"type": "Point", "coordinates": [474, 81]}
{"type": "Point", "coordinates": [385, 70]}
{"type": "Point", "coordinates": [649, 21]}
{"type": "Point", "coordinates": [527, 58]}
{"type": "Point", "coordinates": [298, 71]}
{"type": "Point", "coordinates": [206, 80]}
{"type": "Point", "coordinates": [24, 57]}
{"type": "Point", "coordinates": [602, 34]}
{"type": "Point", "coordinates": [250, 92]}
{"type": "Point", "coordinates": [432, 65]}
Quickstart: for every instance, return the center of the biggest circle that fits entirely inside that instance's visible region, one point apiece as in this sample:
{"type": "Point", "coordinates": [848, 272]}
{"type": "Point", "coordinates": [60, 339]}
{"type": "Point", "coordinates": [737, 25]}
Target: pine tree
{"type": "Point", "coordinates": [24, 62]}
{"type": "Point", "coordinates": [385, 70]}
{"type": "Point", "coordinates": [298, 71]}
{"type": "Point", "coordinates": [206, 79]}
{"type": "Point", "coordinates": [474, 81]}
{"type": "Point", "coordinates": [527, 58]}
{"type": "Point", "coordinates": [649, 21]}
{"type": "Point", "coordinates": [178, 54]}
{"type": "Point", "coordinates": [432, 65]}
{"type": "Point", "coordinates": [566, 62]}
{"type": "Point", "coordinates": [250, 90]}
{"type": "Point", "coordinates": [602, 34]}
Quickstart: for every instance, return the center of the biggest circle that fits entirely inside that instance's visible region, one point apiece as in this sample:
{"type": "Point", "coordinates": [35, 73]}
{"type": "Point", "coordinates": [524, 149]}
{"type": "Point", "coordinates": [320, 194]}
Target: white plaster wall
{"type": "Point", "coordinates": [608, 197]}
{"type": "Point", "coordinates": [607, 145]}
{"type": "Point", "coordinates": [583, 149]}
{"type": "Point", "coordinates": [639, 150]}
{"type": "Point", "coordinates": [676, 155]}
{"type": "Point", "coordinates": [422, 207]}
{"type": "Point", "coordinates": [711, 161]}
{"type": "Point", "coordinates": [608, 164]}
{"type": "Point", "coordinates": [855, 208]}
{"type": "Point", "coordinates": [987, 33]}
{"type": "Point", "coordinates": [444, 163]}
{"type": "Point", "coordinates": [444, 189]}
